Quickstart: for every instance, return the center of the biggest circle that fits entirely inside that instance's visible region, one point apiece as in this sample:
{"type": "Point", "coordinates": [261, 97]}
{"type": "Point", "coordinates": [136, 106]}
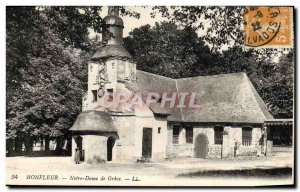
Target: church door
{"type": "Point", "coordinates": [201, 146]}
{"type": "Point", "coordinates": [110, 145]}
{"type": "Point", "coordinates": [147, 143]}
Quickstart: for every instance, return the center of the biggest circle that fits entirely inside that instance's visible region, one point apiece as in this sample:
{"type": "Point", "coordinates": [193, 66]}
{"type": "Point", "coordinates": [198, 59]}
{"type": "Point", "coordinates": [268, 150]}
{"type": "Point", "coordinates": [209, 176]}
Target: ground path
{"type": "Point", "coordinates": [65, 165]}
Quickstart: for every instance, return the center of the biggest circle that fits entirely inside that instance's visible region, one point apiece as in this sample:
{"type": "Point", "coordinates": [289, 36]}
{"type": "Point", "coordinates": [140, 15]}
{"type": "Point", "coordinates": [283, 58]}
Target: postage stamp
{"type": "Point", "coordinates": [268, 26]}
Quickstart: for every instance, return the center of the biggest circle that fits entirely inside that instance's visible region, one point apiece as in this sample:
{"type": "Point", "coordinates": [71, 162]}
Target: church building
{"type": "Point", "coordinates": [230, 121]}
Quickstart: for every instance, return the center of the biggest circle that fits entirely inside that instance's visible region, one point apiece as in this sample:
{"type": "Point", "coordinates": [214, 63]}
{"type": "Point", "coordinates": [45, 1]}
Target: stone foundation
{"type": "Point", "coordinates": [215, 151]}
{"type": "Point", "coordinates": [184, 150]}
{"type": "Point", "coordinates": [247, 151]}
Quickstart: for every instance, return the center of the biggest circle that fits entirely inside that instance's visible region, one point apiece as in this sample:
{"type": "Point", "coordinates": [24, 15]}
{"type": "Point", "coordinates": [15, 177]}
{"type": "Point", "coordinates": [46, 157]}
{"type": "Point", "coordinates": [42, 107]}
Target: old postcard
{"type": "Point", "coordinates": [150, 95]}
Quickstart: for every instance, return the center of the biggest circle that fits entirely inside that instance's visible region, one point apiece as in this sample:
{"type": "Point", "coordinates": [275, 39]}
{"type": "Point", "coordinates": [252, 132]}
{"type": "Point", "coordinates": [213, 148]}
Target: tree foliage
{"type": "Point", "coordinates": [275, 83]}
{"type": "Point", "coordinates": [219, 26]}
{"type": "Point", "coordinates": [222, 25]}
{"type": "Point", "coordinates": [167, 50]}
{"type": "Point", "coordinates": [71, 23]}
{"type": "Point", "coordinates": [46, 75]}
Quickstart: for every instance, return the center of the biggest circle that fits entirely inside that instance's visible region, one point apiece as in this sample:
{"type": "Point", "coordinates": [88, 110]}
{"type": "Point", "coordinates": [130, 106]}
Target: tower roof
{"type": "Point", "coordinates": [111, 51]}
{"type": "Point", "coordinates": [113, 16]}
{"type": "Point", "coordinates": [97, 121]}
{"type": "Point", "coordinates": [112, 37]}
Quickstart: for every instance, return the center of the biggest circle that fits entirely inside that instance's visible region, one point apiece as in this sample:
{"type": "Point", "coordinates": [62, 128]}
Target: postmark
{"type": "Point", "coordinates": [268, 26]}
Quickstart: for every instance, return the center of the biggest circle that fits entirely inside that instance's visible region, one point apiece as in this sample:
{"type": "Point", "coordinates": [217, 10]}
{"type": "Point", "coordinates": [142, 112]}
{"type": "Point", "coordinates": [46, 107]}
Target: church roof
{"type": "Point", "coordinates": [111, 51]}
{"type": "Point", "coordinates": [96, 121]}
{"type": "Point", "coordinates": [223, 98]}
{"type": "Point", "coordinates": [149, 82]}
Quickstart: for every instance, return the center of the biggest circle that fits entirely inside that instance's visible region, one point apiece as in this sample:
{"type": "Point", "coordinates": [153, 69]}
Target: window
{"type": "Point", "coordinates": [159, 129]}
{"type": "Point", "coordinates": [219, 135]}
{"type": "Point", "coordinates": [95, 97]}
{"type": "Point", "coordinates": [189, 135]}
{"type": "Point", "coordinates": [110, 94]}
{"type": "Point", "coordinates": [175, 134]}
{"type": "Point", "coordinates": [246, 136]}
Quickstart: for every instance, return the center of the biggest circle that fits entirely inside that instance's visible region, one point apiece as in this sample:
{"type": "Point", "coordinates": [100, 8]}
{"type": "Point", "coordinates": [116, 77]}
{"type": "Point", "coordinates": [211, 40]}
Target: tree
{"type": "Point", "coordinates": [272, 80]}
{"type": "Point", "coordinates": [45, 78]}
{"type": "Point", "coordinates": [275, 83]}
{"type": "Point", "coordinates": [221, 26]}
{"type": "Point", "coordinates": [71, 23]}
{"type": "Point", "coordinates": [49, 98]}
{"type": "Point", "coordinates": [167, 50]}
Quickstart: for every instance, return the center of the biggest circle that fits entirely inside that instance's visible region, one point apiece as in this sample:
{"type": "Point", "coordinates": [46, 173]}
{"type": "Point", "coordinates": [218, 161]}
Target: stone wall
{"type": "Point", "coordinates": [126, 144]}
{"type": "Point", "coordinates": [159, 139]}
{"type": "Point", "coordinates": [214, 152]}
{"type": "Point", "coordinates": [246, 151]}
{"type": "Point", "coordinates": [183, 150]}
{"type": "Point", "coordinates": [94, 146]}
{"type": "Point", "coordinates": [232, 140]}
{"type": "Point", "coordinates": [130, 143]}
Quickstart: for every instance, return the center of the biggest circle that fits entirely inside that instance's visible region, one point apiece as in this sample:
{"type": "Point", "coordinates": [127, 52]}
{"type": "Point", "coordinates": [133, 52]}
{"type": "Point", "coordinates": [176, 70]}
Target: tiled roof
{"type": "Point", "coordinates": [223, 98]}
{"type": "Point", "coordinates": [149, 82]}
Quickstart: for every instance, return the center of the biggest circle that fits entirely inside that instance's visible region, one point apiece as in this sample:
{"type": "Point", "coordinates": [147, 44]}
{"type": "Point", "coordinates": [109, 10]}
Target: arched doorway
{"type": "Point", "coordinates": [110, 145]}
{"type": "Point", "coordinates": [201, 146]}
{"type": "Point", "coordinates": [78, 141]}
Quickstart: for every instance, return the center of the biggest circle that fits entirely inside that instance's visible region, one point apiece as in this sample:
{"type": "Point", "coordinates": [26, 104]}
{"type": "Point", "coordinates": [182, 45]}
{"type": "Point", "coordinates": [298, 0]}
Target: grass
{"type": "Point", "coordinates": [254, 173]}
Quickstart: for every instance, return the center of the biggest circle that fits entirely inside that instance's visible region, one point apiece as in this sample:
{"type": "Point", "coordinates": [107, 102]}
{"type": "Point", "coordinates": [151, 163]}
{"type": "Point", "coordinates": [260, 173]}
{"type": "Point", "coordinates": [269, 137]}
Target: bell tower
{"type": "Point", "coordinates": [113, 29]}
{"type": "Point", "coordinates": [112, 65]}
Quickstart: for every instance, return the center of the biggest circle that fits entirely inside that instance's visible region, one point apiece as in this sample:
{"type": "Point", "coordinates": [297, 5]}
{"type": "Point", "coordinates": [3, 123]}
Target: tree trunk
{"type": "Point", "coordinates": [9, 146]}
{"type": "Point", "coordinates": [42, 143]}
{"type": "Point", "coordinates": [18, 144]}
{"type": "Point", "coordinates": [59, 143]}
{"type": "Point", "coordinates": [69, 146]}
{"type": "Point", "coordinates": [47, 141]}
{"type": "Point", "coordinates": [28, 141]}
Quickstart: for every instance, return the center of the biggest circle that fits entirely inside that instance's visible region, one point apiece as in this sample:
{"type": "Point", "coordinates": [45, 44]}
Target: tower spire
{"type": "Point", "coordinates": [113, 10]}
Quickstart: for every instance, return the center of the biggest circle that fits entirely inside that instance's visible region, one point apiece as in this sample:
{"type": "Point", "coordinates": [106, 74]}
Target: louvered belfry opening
{"type": "Point", "coordinates": [246, 136]}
